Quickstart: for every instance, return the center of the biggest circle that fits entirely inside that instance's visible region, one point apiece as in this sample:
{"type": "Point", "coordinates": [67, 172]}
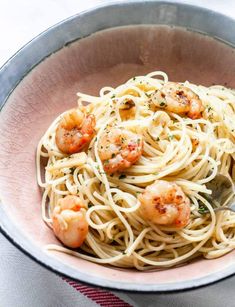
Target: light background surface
{"type": "Point", "coordinates": [23, 283]}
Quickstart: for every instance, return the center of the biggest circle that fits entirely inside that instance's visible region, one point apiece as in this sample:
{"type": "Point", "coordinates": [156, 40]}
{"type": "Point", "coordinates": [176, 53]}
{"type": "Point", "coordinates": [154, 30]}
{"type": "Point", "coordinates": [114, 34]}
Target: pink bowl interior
{"type": "Point", "coordinates": [108, 58]}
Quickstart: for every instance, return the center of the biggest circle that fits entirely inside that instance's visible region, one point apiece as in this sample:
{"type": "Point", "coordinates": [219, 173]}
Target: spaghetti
{"type": "Point", "coordinates": [176, 148]}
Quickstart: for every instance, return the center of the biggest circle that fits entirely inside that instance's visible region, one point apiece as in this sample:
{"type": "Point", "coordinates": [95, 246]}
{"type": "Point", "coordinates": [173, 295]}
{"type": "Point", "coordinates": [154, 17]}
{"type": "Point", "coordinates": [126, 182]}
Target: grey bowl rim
{"type": "Point", "coordinates": [9, 230]}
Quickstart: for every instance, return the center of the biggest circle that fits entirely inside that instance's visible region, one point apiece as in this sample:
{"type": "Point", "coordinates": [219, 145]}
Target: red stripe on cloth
{"type": "Point", "coordinates": [99, 296]}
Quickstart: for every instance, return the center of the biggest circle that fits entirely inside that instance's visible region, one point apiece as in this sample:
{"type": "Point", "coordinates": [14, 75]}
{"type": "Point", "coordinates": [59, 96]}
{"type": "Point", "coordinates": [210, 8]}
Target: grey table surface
{"type": "Point", "coordinates": [22, 281]}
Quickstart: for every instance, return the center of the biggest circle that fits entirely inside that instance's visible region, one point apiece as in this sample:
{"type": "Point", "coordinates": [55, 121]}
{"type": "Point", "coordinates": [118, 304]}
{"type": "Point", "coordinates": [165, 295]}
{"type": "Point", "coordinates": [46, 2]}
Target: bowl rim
{"type": "Point", "coordinates": [19, 240]}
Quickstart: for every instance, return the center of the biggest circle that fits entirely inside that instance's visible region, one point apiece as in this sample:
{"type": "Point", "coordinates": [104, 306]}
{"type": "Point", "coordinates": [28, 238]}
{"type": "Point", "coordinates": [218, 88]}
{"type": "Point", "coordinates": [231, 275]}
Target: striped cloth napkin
{"type": "Point", "coordinates": [24, 283]}
{"type": "Point", "coordinates": [101, 297]}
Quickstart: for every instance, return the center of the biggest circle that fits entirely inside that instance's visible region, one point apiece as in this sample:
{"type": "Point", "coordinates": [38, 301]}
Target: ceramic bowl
{"type": "Point", "coordinates": [103, 46]}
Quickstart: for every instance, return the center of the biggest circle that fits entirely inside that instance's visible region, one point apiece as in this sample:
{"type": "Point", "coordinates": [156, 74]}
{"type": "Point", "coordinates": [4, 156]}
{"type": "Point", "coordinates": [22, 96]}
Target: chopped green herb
{"type": "Point", "coordinates": [157, 139]}
{"type": "Point", "coordinates": [162, 104]}
{"type": "Point", "coordinates": [113, 155]}
{"type": "Point", "coordinates": [122, 176]}
{"type": "Point", "coordinates": [202, 209]}
{"type": "Point", "coordinates": [134, 78]}
{"type": "Point", "coordinates": [113, 96]}
{"type": "Point", "coordinates": [170, 137]}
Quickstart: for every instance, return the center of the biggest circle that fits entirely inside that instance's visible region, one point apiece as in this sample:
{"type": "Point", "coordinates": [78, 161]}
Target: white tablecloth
{"type": "Point", "coordinates": [24, 283]}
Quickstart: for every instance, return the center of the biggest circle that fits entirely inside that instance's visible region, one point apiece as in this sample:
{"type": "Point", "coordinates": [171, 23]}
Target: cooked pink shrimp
{"type": "Point", "coordinates": [165, 203]}
{"type": "Point", "coordinates": [178, 99]}
{"type": "Point", "coordinates": [68, 222]}
{"type": "Point", "coordinates": [74, 131]}
{"type": "Point", "coordinates": [119, 149]}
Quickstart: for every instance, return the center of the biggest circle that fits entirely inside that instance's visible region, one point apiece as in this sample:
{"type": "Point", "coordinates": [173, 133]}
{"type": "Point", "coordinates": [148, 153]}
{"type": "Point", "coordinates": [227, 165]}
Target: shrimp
{"type": "Point", "coordinates": [68, 221]}
{"type": "Point", "coordinates": [74, 131]}
{"type": "Point", "coordinates": [165, 203]}
{"type": "Point", "coordinates": [179, 99]}
{"type": "Point", "coordinates": [119, 149]}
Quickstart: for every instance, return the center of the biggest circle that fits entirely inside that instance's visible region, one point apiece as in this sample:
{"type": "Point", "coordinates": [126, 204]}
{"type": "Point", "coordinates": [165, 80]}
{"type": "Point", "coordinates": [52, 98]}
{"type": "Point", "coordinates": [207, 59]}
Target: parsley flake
{"type": "Point", "coordinates": [202, 209]}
